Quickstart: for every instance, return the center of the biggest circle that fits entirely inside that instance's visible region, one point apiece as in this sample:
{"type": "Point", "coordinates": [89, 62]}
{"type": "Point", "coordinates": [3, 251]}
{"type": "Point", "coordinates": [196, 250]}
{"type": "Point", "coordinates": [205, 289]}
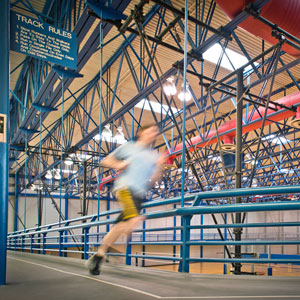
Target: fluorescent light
{"type": "Point", "coordinates": [237, 60]}
{"type": "Point", "coordinates": [156, 107]}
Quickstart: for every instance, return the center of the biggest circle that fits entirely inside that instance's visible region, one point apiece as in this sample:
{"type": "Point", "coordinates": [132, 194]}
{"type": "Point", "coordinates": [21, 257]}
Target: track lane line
{"type": "Point", "coordinates": [88, 277]}
{"type": "Point", "coordinates": [153, 295]}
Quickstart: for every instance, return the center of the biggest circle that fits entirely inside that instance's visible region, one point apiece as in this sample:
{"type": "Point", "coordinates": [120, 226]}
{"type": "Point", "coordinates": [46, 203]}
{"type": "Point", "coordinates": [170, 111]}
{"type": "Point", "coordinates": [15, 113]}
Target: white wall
{"type": "Point", "coordinates": [50, 215]}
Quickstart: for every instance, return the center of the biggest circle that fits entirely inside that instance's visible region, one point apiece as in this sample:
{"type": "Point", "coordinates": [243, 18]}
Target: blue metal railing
{"type": "Point", "coordinates": [75, 236]}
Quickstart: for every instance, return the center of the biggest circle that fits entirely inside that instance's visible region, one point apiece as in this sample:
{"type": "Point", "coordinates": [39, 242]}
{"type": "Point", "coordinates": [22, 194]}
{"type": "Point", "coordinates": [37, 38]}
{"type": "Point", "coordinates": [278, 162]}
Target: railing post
{"type": "Point", "coordinates": [86, 243]}
{"type": "Point", "coordinates": [128, 251]}
{"type": "Point", "coordinates": [225, 267]}
{"type": "Point", "coordinates": [66, 238]}
{"type": "Point", "coordinates": [44, 243]}
{"type": "Point", "coordinates": [270, 272]}
{"type": "Point", "coordinates": [185, 252]}
{"type": "Point", "coordinates": [31, 243]}
{"type": "Point", "coordinates": [22, 243]}
{"type": "Point", "coordinates": [9, 242]}
{"type": "Point", "coordinates": [60, 243]}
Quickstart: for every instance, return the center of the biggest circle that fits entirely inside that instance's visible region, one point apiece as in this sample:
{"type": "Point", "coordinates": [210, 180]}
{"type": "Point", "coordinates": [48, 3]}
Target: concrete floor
{"type": "Point", "coordinates": [33, 276]}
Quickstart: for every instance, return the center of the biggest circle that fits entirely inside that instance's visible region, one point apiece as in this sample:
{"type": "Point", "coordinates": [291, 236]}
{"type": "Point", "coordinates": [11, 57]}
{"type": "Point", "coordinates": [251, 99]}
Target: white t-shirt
{"type": "Point", "coordinates": [142, 165]}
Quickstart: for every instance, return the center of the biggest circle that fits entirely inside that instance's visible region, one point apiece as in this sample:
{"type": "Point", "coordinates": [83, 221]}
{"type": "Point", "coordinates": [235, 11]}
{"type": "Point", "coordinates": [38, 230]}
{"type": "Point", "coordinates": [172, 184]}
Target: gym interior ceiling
{"type": "Point", "coordinates": [128, 74]}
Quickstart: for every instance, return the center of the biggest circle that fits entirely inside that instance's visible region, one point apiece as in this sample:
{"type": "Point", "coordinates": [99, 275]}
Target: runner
{"type": "Point", "coordinates": [141, 167]}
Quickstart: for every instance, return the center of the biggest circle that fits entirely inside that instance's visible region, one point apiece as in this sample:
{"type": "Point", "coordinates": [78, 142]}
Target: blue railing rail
{"type": "Point", "coordinates": [36, 239]}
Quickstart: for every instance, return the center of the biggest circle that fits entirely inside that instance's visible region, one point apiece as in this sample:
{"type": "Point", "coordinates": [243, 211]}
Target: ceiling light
{"type": "Point", "coordinates": [57, 175]}
{"type": "Point", "coordinates": [69, 162]}
{"type": "Point", "coordinates": [119, 136]}
{"type": "Point", "coordinates": [48, 175]}
{"type": "Point", "coordinates": [216, 188]}
{"type": "Point", "coordinates": [65, 171]}
{"type": "Point", "coordinates": [169, 87]}
{"type": "Point", "coordinates": [106, 132]}
{"type": "Point", "coordinates": [97, 137]}
{"type": "Point", "coordinates": [185, 95]}
{"type": "Point", "coordinates": [84, 157]}
{"type": "Point", "coordinates": [254, 182]}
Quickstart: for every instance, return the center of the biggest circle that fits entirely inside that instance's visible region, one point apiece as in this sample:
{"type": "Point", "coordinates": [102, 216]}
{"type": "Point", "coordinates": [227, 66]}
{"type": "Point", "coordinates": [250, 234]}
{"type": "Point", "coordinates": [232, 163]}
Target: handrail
{"type": "Point", "coordinates": [202, 195]}
{"type": "Point", "coordinates": [183, 212]}
{"type": "Point", "coordinates": [35, 239]}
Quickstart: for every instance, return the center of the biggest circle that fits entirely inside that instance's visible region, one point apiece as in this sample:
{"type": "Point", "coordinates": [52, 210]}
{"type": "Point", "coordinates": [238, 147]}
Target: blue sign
{"type": "Point", "coordinates": [41, 40]}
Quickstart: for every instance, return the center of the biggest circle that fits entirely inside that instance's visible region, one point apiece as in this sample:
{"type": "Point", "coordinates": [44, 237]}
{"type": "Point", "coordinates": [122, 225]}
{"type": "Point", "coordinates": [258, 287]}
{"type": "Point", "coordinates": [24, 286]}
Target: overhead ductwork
{"type": "Point", "coordinates": [228, 129]}
{"type": "Point", "coordinates": [283, 13]}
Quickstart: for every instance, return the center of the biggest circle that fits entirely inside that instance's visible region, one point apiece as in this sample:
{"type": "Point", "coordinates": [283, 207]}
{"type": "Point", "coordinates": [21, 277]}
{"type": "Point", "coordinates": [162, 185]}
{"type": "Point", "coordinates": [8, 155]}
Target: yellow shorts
{"type": "Point", "coordinates": [130, 205]}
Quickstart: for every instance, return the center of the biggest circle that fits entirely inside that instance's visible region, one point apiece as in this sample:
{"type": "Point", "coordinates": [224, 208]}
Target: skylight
{"type": "Point", "coordinates": [237, 60]}
{"type": "Point", "coordinates": [156, 107]}
{"type": "Point", "coordinates": [276, 140]}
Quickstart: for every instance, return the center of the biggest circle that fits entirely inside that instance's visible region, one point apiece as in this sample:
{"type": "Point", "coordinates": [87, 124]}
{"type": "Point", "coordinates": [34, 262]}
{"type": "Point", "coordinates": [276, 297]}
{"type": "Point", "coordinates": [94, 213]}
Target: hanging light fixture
{"type": "Point", "coordinates": [254, 182]}
{"type": "Point", "coordinates": [185, 95]}
{"type": "Point", "coordinates": [69, 162]}
{"type": "Point", "coordinates": [119, 136]}
{"type": "Point", "coordinates": [57, 175]}
{"type": "Point", "coordinates": [106, 132]}
{"type": "Point", "coordinates": [48, 175]}
{"type": "Point", "coordinates": [169, 87]}
{"type": "Point", "coordinates": [97, 137]}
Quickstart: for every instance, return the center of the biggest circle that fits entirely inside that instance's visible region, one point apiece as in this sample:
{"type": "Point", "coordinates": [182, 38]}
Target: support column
{"type": "Point", "coordinates": [238, 162]}
{"type": "Point", "coordinates": [4, 111]}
